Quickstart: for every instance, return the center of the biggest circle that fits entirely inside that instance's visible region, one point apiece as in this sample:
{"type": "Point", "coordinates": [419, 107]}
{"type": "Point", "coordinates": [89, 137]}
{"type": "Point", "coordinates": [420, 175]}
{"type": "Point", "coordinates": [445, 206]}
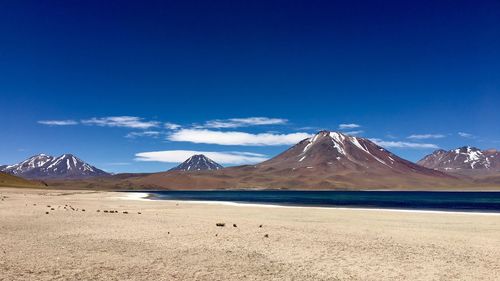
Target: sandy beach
{"type": "Point", "coordinates": [67, 235]}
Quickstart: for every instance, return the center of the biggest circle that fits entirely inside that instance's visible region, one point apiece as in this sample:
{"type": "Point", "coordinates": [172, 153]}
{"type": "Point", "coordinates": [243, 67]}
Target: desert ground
{"type": "Point", "coordinates": [72, 235]}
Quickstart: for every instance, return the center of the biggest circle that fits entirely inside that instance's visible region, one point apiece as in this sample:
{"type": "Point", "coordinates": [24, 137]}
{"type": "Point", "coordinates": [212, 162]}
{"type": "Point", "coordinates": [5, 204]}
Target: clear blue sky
{"type": "Point", "coordinates": [430, 69]}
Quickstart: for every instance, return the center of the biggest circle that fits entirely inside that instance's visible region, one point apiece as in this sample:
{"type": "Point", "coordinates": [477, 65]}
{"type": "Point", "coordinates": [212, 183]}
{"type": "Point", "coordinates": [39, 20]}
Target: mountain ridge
{"type": "Point", "coordinates": [43, 166]}
{"type": "Point", "coordinates": [465, 160]}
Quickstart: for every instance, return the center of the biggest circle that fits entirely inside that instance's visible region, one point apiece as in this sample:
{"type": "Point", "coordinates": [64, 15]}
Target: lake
{"type": "Point", "coordinates": [414, 200]}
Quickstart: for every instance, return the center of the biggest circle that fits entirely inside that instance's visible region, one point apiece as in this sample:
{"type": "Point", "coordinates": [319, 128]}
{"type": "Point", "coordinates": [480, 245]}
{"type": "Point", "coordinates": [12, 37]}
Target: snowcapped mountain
{"type": "Point", "coordinates": [197, 162]}
{"type": "Point", "coordinates": [30, 164]}
{"type": "Point", "coordinates": [463, 160]}
{"type": "Point", "coordinates": [44, 166]}
{"type": "Point", "coordinates": [336, 152]}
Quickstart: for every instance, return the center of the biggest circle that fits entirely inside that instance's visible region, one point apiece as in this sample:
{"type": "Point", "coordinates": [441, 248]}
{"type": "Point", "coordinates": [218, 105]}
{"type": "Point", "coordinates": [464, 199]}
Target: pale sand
{"type": "Point", "coordinates": [303, 243]}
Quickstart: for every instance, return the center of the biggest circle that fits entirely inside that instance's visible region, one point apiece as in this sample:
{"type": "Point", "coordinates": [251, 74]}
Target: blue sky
{"type": "Point", "coordinates": [411, 75]}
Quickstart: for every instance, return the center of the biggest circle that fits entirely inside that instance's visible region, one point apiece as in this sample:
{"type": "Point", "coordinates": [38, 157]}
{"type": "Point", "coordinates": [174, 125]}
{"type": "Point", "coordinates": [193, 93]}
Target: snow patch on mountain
{"type": "Point", "coordinates": [44, 166]}
{"type": "Point", "coordinates": [198, 162]}
{"type": "Point", "coordinates": [462, 158]}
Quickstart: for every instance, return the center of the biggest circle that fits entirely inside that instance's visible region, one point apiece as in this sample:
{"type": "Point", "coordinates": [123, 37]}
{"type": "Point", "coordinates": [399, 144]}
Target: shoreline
{"type": "Point", "coordinates": [144, 196]}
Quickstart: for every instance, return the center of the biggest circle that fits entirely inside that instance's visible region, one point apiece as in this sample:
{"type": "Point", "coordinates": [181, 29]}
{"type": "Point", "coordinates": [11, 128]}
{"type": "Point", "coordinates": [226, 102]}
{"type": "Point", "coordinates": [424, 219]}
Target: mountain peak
{"type": "Point", "coordinates": [44, 166]}
{"type": "Point", "coordinates": [67, 155]}
{"type": "Point", "coordinates": [197, 162]}
{"type": "Point", "coordinates": [467, 148]}
{"type": "Point", "coordinates": [335, 153]}
{"type": "Point", "coordinates": [467, 160]}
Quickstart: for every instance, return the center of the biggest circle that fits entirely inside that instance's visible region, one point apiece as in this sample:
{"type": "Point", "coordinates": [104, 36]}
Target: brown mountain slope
{"type": "Point", "coordinates": [7, 180]}
{"type": "Point", "coordinates": [329, 160]}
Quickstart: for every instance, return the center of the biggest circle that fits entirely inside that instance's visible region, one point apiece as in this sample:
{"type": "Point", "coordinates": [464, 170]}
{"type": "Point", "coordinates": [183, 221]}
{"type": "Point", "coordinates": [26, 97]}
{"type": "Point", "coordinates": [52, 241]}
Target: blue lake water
{"type": "Point", "coordinates": [451, 201]}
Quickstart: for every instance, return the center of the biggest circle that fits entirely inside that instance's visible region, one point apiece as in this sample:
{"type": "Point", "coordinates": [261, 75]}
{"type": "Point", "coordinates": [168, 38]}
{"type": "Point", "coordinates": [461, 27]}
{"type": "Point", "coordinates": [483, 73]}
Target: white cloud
{"type": "Point", "coordinates": [152, 134]}
{"type": "Point", "coordinates": [121, 121]}
{"type": "Point", "coordinates": [426, 136]}
{"type": "Point", "coordinates": [179, 156]}
{"type": "Point", "coordinates": [465, 135]}
{"type": "Point", "coordinates": [58, 122]}
{"type": "Point", "coordinates": [236, 138]}
{"type": "Point", "coordinates": [243, 122]}
{"type": "Point", "coordinates": [349, 126]}
{"type": "Point", "coordinates": [354, 133]}
{"type": "Point", "coordinates": [171, 126]}
{"type": "Point", "coordinates": [402, 144]}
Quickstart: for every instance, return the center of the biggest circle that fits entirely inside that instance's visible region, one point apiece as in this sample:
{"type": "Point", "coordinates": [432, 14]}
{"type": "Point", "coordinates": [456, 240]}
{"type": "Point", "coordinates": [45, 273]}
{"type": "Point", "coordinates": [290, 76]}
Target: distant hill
{"type": "Point", "coordinates": [42, 166]}
{"type": "Point", "coordinates": [198, 162]}
{"type": "Point", "coordinates": [7, 180]}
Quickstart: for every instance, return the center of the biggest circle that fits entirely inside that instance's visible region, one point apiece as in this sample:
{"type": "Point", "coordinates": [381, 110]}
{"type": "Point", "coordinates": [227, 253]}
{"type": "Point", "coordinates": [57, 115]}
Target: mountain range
{"type": "Point", "coordinates": [42, 166]}
{"type": "Point", "coordinates": [328, 160]}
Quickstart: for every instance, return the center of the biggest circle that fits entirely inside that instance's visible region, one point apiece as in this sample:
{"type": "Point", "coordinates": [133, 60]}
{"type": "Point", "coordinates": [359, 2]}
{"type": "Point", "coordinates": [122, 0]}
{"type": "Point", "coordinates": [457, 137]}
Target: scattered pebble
{"type": "Point", "coordinates": [221, 224]}
{"type": "Point", "coordinates": [125, 212]}
{"type": "Point", "coordinates": [139, 213]}
{"type": "Point", "coordinates": [98, 211]}
{"type": "Point", "coordinates": [52, 209]}
{"type": "Point", "coordinates": [266, 236]}
{"type": "Point", "coordinates": [260, 226]}
{"type": "Point", "coordinates": [46, 213]}
{"type": "Point", "coordinates": [234, 225]}
{"type": "Point", "coordinates": [83, 210]}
